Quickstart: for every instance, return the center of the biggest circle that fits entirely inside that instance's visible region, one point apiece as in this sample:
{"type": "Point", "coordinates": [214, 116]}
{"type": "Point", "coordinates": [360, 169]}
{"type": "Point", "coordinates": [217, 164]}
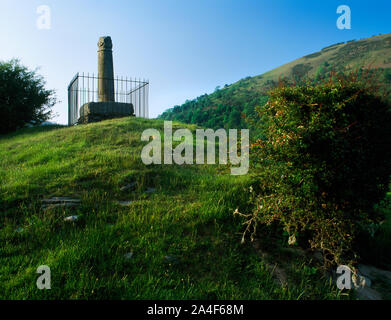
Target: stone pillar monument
{"type": "Point", "coordinates": [106, 107]}
{"type": "Point", "coordinates": [105, 70]}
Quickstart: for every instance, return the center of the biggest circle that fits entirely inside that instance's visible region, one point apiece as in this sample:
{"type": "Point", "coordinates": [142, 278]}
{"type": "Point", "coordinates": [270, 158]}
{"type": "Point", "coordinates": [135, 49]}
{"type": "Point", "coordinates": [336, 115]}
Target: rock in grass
{"type": "Point", "coordinates": [361, 281]}
{"type": "Point", "coordinates": [57, 200]}
{"type": "Point", "coordinates": [62, 202]}
{"type": "Point", "coordinates": [124, 203]}
{"type": "Point", "coordinates": [150, 190]}
{"type": "Point", "coordinates": [366, 293]}
{"type": "Point", "coordinates": [128, 187]}
{"type": "Point", "coordinates": [128, 255]}
{"type": "Point", "coordinates": [19, 230]}
{"type": "Point", "coordinates": [170, 259]}
{"type": "Point", "coordinates": [71, 218]}
{"type": "Point", "coordinates": [59, 205]}
{"type": "Point", "coordinates": [375, 273]}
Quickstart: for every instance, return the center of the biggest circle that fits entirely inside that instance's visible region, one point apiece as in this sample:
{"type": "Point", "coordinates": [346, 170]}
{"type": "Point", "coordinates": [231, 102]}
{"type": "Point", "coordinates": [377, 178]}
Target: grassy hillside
{"type": "Point", "coordinates": [179, 242]}
{"type": "Point", "coordinates": [224, 107]}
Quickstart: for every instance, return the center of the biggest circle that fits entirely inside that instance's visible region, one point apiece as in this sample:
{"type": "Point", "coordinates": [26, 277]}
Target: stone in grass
{"type": "Point", "coordinates": [57, 205]}
{"type": "Point", "coordinates": [19, 230]}
{"type": "Point", "coordinates": [375, 273]}
{"type": "Point", "coordinates": [366, 293]}
{"type": "Point", "coordinates": [150, 190]}
{"type": "Point", "coordinates": [71, 218]}
{"type": "Point", "coordinates": [124, 203]}
{"type": "Point", "coordinates": [61, 200]}
{"type": "Point", "coordinates": [56, 202]}
{"type": "Point", "coordinates": [128, 255]}
{"type": "Point", "coordinates": [130, 186]}
{"type": "Point", "coordinates": [360, 281]}
{"type": "Point", "coordinates": [171, 259]}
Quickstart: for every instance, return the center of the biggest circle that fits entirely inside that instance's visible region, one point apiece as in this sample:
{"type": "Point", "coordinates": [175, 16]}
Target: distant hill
{"type": "Point", "coordinates": [132, 231]}
{"type": "Point", "coordinates": [225, 106]}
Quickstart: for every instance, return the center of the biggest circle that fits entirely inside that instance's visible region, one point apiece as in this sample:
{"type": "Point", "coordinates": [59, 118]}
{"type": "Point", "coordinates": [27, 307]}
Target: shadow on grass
{"type": "Point", "coordinates": [375, 248]}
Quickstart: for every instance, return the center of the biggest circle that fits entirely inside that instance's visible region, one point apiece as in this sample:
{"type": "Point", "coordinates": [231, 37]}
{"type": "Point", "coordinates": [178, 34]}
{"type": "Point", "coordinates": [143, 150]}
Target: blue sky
{"type": "Point", "coordinates": [184, 47]}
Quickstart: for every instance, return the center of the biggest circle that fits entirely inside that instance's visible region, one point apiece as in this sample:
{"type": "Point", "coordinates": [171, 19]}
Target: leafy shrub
{"type": "Point", "coordinates": [23, 97]}
{"type": "Point", "coordinates": [324, 162]}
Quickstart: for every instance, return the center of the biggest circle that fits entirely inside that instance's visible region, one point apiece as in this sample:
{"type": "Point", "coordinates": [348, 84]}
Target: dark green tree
{"type": "Point", "coordinates": [23, 97]}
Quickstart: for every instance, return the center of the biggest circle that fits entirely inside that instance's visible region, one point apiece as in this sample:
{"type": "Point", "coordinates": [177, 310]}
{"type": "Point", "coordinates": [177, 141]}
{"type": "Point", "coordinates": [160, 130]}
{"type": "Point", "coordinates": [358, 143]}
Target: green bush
{"type": "Point", "coordinates": [323, 164]}
{"type": "Point", "coordinates": [23, 97]}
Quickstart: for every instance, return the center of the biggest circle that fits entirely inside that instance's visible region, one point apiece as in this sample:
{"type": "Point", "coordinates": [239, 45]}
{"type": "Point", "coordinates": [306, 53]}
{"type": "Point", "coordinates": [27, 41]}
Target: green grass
{"type": "Point", "coordinates": [189, 217]}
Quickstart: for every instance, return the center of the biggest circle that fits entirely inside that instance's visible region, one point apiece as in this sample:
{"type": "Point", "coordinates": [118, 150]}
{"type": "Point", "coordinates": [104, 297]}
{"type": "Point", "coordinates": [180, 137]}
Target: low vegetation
{"type": "Point", "coordinates": [323, 164]}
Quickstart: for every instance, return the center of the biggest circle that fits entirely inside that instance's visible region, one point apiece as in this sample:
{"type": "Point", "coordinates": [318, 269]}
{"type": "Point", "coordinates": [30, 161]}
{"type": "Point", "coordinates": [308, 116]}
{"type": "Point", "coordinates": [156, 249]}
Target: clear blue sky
{"type": "Point", "coordinates": [184, 47]}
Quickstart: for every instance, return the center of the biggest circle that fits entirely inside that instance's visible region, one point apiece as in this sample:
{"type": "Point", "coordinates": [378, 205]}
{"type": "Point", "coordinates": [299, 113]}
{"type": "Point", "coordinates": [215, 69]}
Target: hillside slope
{"type": "Point", "coordinates": [224, 107]}
{"type": "Point", "coordinates": [179, 240]}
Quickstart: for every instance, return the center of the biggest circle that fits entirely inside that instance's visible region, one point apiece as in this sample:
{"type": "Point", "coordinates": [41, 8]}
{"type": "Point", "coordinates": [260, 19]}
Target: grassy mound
{"type": "Point", "coordinates": [184, 239]}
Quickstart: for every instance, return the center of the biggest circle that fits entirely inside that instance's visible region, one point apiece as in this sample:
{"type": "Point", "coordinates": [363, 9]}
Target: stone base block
{"type": "Point", "coordinates": [98, 111]}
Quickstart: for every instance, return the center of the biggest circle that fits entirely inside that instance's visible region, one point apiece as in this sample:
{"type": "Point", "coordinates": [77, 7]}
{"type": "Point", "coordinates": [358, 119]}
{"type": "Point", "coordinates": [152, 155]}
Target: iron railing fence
{"type": "Point", "coordinates": [83, 88]}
